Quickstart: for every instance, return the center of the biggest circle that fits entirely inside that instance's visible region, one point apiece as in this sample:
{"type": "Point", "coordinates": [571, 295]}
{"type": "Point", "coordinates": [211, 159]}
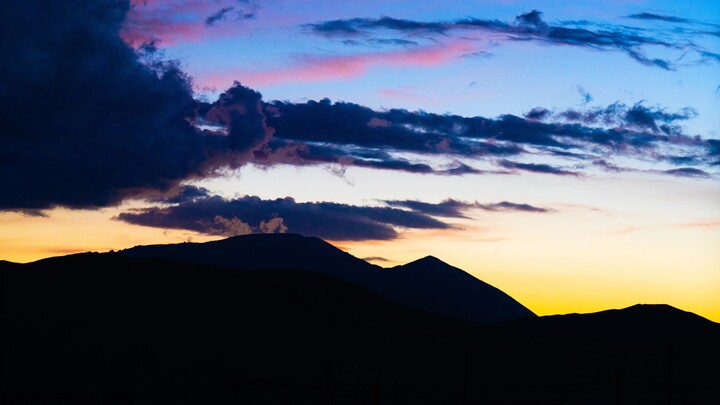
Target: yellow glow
{"type": "Point", "coordinates": [610, 243]}
{"type": "Point", "coordinates": [25, 239]}
{"type": "Point", "coordinates": [558, 265]}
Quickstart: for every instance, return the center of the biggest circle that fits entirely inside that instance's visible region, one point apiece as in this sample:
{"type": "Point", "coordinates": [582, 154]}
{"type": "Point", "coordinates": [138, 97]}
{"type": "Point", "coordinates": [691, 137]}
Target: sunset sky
{"type": "Point", "coordinates": [566, 152]}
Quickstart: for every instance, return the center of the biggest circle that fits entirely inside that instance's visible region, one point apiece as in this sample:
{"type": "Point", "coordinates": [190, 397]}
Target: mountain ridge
{"type": "Point", "coordinates": [104, 328]}
{"type": "Point", "coordinates": [419, 284]}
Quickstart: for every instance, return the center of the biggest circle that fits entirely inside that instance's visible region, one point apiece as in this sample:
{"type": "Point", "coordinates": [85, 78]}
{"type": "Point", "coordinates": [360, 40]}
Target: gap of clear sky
{"type": "Point", "coordinates": [566, 152]}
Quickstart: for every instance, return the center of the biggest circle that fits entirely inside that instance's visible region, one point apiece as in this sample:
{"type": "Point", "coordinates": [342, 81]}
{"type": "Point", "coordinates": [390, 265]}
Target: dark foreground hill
{"type": "Point", "coordinates": [103, 328]}
{"type": "Point", "coordinates": [428, 284]}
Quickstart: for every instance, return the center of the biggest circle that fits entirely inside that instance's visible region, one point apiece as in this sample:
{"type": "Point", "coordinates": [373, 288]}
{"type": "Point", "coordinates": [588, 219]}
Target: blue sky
{"type": "Point", "coordinates": [513, 79]}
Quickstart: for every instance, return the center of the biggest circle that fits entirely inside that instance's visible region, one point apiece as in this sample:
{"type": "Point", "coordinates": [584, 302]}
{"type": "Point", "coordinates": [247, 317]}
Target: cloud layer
{"type": "Point", "coordinates": [349, 134]}
{"type": "Point", "coordinates": [196, 210]}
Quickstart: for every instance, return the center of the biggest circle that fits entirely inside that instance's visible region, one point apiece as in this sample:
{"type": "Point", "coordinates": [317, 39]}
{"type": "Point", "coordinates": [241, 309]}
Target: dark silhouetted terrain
{"type": "Point", "coordinates": [108, 328]}
{"type": "Point", "coordinates": [427, 284]}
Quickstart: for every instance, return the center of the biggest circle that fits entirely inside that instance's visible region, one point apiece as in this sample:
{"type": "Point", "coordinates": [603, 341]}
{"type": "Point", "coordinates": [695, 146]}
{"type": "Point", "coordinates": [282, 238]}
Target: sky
{"type": "Point", "coordinates": [566, 152]}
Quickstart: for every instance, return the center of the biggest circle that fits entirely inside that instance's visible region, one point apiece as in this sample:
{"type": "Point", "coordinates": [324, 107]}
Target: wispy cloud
{"type": "Point", "coordinates": [457, 209]}
{"type": "Point", "coordinates": [377, 259]}
{"type": "Point", "coordinates": [303, 68]}
{"type": "Point", "coordinates": [659, 17]}
{"type": "Point", "coordinates": [710, 224]}
{"type": "Point", "coordinates": [687, 172]}
{"type": "Point", "coordinates": [530, 26]}
{"type": "Point", "coordinates": [172, 21]}
{"type": "Point", "coordinates": [537, 168]}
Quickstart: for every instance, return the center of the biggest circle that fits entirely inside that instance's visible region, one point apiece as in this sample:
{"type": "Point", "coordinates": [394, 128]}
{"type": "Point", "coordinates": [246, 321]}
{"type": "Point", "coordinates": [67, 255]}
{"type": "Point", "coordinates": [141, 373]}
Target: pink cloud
{"type": "Point", "coordinates": [314, 68]}
{"type": "Point", "coordinates": [706, 224]}
{"type": "Point", "coordinates": [173, 21]}
{"type": "Point", "coordinates": [411, 94]}
{"type": "Point", "coordinates": [376, 122]}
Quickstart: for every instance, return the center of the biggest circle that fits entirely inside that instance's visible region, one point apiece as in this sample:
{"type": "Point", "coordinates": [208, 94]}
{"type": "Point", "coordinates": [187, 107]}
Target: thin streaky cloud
{"type": "Point", "coordinates": [377, 259]}
{"type": "Point", "coordinates": [531, 26]}
{"type": "Point", "coordinates": [308, 68]}
{"type": "Point", "coordinates": [451, 208]}
{"type": "Point", "coordinates": [659, 17]}
{"type": "Point", "coordinates": [706, 224]}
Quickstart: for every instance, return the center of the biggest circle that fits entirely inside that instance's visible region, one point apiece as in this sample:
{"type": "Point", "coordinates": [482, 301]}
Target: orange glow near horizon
{"type": "Point", "coordinates": [25, 239]}
{"type": "Point", "coordinates": [585, 280]}
{"type": "Point", "coordinates": [587, 264]}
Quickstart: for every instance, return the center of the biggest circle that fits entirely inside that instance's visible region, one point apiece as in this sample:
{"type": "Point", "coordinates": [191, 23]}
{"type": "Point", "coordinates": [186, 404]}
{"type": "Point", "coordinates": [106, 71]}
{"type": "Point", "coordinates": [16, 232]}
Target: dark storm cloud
{"type": "Point", "coordinates": [217, 216]}
{"type": "Point", "coordinates": [83, 122]}
{"type": "Point", "coordinates": [351, 124]}
{"type": "Point", "coordinates": [181, 194]}
{"type": "Point", "coordinates": [352, 135]}
{"type": "Point", "coordinates": [455, 209]}
{"type": "Point", "coordinates": [529, 26]}
{"type": "Point", "coordinates": [88, 121]}
{"type": "Point", "coordinates": [347, 123]}
{"type": "Point", "coordinates": [239, 110]}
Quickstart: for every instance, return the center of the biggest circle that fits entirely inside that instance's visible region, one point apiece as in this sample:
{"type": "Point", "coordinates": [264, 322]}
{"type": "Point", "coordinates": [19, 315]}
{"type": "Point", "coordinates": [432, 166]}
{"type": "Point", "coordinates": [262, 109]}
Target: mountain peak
{"type": "Point", "coordinates": [427, 261]}
{"type": "Point", "coordinates": [257, 251]}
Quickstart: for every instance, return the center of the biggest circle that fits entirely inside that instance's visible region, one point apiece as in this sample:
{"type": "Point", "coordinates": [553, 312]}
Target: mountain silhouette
{"type": "Point", "coordinates": [428, 284]}
{"type": "Point", "coordinates": [108, 328]}
{"type": "Point", "coordinates": [435, 286]}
